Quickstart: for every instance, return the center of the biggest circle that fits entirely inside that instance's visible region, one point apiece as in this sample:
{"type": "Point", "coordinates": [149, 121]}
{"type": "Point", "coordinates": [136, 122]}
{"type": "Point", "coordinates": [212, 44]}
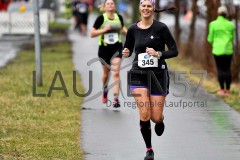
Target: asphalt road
{"type": "Point", "coordinates": [197, 128]}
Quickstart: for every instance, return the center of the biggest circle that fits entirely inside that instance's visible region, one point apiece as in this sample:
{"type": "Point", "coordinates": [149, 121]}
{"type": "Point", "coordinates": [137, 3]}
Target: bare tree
{"type": "Point", "coordinates": [135, 6]}
{"type": "Point", "coordinates": [207, 59]}
{"type": "Point", "coordinates": [157, 15]}
{"type": "Point", "coordinates": [234, 14]}
{"type": "Point", "coordinates": [235, 68]}
{"type": "Point", "coordinates": [191, 36]}
{"type": "Point", "coordinates": [177, 30]}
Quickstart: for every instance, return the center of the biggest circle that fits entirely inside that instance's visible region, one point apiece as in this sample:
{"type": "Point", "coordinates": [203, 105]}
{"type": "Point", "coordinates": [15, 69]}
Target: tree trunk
{"type": "Point", "coordinates": [191, 37]}
{"type": "Point", "coordinates": [207, 59]}
{"type": "Point", "coordinates": [177, 25]}
{"type": "Point", "coordinates": [135, 6]}
{"type": "Point", "coordinates": [157, 15]}
{"type": "Point", "coordinates": [236, 57]}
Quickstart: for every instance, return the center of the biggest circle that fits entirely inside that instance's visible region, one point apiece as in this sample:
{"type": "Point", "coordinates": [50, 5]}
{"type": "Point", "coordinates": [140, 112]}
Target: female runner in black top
{"type": "Point", "coordinates": [149, 37]}
{"type": "Point", "coordinates": [109, 27]}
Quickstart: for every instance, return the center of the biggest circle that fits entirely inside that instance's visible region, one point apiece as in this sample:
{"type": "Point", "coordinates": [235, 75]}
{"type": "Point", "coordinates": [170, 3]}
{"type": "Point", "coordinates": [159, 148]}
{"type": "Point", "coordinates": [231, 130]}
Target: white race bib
{"type": "Point", "coordinates": [83, 9]}
{"type": "Point", "coordinates": [145, 60]}
{"type": "Point", "coordinates": [110, 38]}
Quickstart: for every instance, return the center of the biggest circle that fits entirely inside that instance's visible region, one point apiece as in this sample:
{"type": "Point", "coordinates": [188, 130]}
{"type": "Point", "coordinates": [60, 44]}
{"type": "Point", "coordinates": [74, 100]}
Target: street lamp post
{"type": "Point", "coordinates": [38, 57]}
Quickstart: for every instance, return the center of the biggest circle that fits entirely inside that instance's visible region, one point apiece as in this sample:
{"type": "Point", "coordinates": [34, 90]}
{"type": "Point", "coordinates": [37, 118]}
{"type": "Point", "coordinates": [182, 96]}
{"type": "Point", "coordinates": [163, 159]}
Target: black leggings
{"type": "Point", "coordinates": [224, 70]}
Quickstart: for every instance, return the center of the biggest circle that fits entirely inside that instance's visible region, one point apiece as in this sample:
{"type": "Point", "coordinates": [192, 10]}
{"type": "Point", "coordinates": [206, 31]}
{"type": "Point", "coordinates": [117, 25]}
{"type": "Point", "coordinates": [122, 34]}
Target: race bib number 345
{"type": "Point", "coordinates": [145, 60]}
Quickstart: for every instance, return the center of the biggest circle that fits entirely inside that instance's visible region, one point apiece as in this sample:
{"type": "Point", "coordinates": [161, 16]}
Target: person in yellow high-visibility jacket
{"type": "Point", "coordinates": [221, 36]}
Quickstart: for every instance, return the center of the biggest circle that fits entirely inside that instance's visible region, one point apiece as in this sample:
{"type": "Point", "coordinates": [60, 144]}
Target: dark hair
{"type": "Point", "coordinates": [167, 9]}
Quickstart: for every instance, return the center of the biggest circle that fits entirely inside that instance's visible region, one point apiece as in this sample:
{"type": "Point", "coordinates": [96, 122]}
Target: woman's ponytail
{"type": "Point", "coordinates": [167, 9]}
{"type": "Point", "coordinates": [101, 7]}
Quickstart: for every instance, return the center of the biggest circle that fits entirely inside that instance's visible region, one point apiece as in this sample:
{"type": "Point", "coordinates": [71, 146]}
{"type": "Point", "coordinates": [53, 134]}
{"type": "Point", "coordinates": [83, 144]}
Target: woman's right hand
{"type": "Point", "coordinates": [106, 28]}
{"type": "Point", "coordinates": [125, 52]}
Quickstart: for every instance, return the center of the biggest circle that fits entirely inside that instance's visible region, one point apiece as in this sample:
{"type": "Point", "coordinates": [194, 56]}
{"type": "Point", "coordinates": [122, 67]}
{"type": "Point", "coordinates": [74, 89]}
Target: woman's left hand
{"type": "Point", "coordinates": [151, 52]}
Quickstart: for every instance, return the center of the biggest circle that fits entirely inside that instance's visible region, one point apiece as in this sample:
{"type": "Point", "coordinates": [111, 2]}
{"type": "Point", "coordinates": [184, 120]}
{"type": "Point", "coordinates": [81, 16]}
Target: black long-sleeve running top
{"type": "Point", "coordinates": [156, 36]}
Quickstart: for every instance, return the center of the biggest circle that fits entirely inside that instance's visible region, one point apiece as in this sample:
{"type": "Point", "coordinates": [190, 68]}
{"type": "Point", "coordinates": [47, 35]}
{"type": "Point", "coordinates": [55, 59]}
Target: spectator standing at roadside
{"type": "Point", "coordinates": [221, 36]}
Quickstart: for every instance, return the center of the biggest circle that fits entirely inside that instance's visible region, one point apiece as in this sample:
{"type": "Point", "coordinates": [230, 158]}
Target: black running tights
{"type": "Point", "coordinates": [224, 70]}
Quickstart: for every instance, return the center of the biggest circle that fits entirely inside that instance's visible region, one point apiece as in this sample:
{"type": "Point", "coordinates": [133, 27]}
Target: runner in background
{"type": "Point", "coordinates": [80, 12]}
{"type": "Point", "coordinates": [4, 5]}
{"type": "Point", "coordinates": [109, 27]}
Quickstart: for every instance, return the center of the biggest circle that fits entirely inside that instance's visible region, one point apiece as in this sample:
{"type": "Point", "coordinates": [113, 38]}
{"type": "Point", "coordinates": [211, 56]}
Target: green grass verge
{"type": "Point", "coordinates": [40, 127]}
{"type": "Point", "coordinates": [58, 29]}
{"type": "Point", "coordinates": [210, 84]}
{"type": "Point", "coordinates": [59, 26]}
